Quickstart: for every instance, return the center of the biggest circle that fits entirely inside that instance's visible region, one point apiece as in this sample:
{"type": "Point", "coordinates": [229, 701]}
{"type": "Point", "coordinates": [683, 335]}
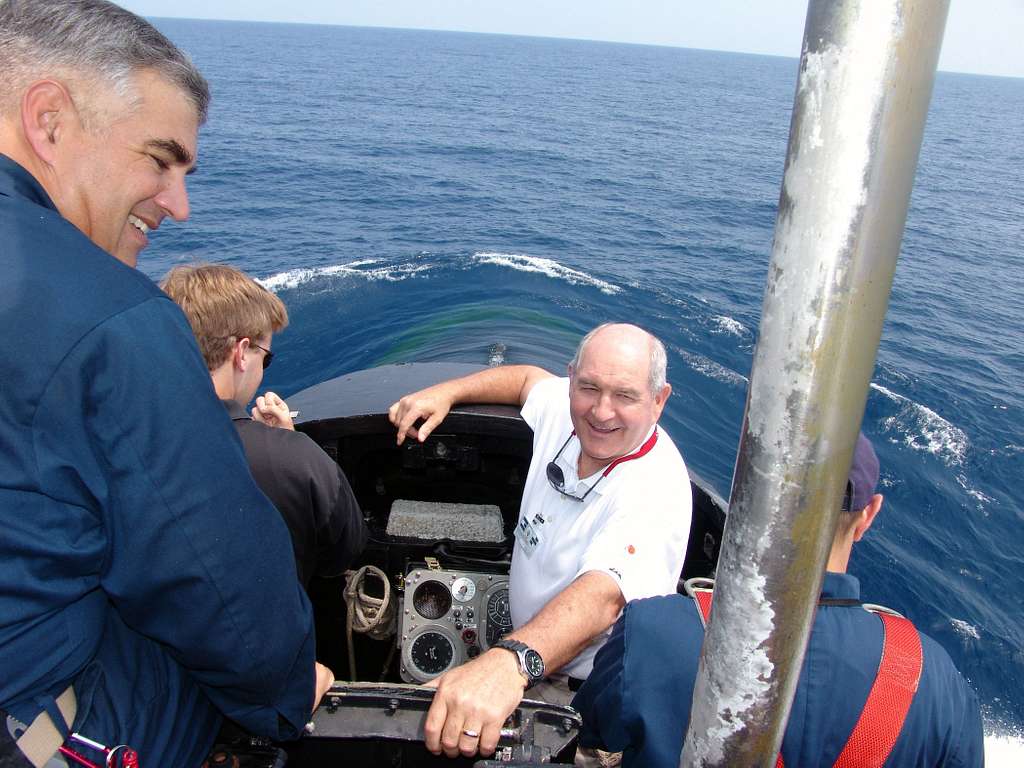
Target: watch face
{"type": "Point", "coordinates": [534, 664]}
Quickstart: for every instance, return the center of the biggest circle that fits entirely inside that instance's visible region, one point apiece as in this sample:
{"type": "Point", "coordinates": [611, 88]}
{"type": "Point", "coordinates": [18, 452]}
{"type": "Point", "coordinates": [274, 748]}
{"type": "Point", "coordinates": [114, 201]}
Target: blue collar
{"type": "Point", "coordinates": [15, 181]}
{"type": "Point", "coordinates": [840, 586]}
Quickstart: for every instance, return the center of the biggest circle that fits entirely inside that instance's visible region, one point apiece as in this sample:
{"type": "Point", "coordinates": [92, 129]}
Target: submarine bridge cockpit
{"type": "Point", "coordinates": [430, 590]}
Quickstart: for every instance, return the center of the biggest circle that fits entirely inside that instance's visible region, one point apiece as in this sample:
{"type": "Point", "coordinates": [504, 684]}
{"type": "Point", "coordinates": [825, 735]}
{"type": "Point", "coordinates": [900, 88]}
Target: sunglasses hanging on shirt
{"type": "Point", "coordinates": [557, 478]}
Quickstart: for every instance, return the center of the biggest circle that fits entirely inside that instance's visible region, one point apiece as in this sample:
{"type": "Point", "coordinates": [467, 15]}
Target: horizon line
{"type": "Point", "coordinates": [542, 37]}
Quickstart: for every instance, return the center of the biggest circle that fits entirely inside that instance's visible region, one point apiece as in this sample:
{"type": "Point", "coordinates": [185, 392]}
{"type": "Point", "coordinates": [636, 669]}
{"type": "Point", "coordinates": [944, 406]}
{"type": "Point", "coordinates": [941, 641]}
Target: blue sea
{"type": "Point", "coordinates": [427, 196]}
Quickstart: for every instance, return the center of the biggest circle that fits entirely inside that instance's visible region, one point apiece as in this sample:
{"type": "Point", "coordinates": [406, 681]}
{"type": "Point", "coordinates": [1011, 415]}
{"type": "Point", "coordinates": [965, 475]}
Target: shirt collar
{"type": "Point", "coordinates": [15, 181]}
{"type": "Point", "coordinates": [236, 410]}
{"type": "Point", "coordinates": [841, 586]}
{"type": "Point", "coordinates": [569, 461]}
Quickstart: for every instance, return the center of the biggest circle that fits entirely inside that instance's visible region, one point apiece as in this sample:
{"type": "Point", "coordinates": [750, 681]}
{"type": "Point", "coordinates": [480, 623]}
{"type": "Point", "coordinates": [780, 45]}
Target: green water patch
{"type": "Point", "coordinates": [489, 323]}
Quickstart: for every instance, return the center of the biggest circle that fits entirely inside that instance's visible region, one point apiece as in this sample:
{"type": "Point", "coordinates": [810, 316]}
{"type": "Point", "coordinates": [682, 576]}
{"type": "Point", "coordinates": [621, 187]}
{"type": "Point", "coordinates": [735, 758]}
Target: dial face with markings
{"type": "Point", "coordinates": [432, 653]}
{"type": "Point", "coordinates": [463, 589]}
{"type": "Point", "coordinates": [449, 617]}
{"type": "Point", "coordinates": [534, 664]}
{"type": "Point", "coordinates": [499, 617]}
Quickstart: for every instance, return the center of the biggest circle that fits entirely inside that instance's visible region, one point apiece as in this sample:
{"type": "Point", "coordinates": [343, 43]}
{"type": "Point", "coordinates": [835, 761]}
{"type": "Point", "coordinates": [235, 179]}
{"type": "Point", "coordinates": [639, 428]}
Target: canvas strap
{"type": "Point", "coordinates": [40, 740]}
{"type": "Point", "coordinates": [884, 712]}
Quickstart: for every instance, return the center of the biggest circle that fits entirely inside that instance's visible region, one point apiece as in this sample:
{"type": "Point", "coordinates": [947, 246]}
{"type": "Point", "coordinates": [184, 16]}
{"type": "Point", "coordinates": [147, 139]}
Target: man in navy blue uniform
{"type": "Point", "coordinates": [637, 699]}
{"type": "Point", "coordinates": [147, 586]}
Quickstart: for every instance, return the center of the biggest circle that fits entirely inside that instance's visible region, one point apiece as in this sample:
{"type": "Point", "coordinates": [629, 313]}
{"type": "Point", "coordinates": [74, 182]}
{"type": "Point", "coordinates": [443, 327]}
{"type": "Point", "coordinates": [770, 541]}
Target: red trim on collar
{"type": "Point", "coordinates": [643, 450]}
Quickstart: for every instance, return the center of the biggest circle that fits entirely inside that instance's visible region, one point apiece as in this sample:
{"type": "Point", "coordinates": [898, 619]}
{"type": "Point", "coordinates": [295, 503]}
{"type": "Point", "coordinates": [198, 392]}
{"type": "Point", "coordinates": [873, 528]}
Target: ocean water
{"type": "Point", "coordinates": [422, 196]}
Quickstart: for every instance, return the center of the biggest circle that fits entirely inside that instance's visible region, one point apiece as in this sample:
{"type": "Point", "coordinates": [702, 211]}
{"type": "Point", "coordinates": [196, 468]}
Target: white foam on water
{"type": "Point", "coordinates": [726, 324]}
{"type": "Point", "coordinates": [965, 629]}
{"type": "Point", "coordinates": [548, 267]}
{"type": "Point", "coordinates": [496, 354]}
{"type": "Point", "coordinates": [969, 574]}
{"type": "Point", "coordinates": [711, 369]}
{"type": "Point", "coordinates": [924, 430]}
{"type": "Point", "coordinates": [293, 278]}
{"type": "Point", "coordinates": [1004, 750]}
{"type": "Point", "coordinates": [978, 495]}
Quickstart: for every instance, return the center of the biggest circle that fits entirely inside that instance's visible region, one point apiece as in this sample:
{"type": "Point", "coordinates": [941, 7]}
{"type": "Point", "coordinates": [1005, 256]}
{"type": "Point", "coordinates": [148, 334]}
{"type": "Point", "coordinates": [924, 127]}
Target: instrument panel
{"type": "Point", "coordinates": [448, 617]}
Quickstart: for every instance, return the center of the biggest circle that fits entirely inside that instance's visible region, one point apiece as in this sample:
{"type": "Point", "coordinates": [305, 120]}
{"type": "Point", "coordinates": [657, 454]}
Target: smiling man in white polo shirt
{"type": "Point", "coordinates": [605, 519]}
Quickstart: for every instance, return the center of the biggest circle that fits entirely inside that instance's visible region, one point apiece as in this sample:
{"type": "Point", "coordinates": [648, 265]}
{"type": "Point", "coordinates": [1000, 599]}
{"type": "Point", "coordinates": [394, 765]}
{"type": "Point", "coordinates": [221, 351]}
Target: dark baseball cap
{"type": "Point", "coordinates": [863, 478]}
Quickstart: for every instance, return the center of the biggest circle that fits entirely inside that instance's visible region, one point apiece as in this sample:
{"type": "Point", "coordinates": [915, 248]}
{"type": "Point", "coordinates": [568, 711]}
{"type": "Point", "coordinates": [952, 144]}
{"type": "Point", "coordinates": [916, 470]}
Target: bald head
{"type": "Point", "coordinates": [628, 342]}
{"type": "Point", "coordinates": [613, 400]}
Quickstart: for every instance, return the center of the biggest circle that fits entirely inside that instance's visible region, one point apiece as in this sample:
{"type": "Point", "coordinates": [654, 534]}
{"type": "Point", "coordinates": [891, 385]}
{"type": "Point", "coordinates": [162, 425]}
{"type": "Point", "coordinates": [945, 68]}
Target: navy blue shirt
{"type": "Point", "coordinates": [138, 559]}
{"type": "Point", "coordinates": [637, 699]}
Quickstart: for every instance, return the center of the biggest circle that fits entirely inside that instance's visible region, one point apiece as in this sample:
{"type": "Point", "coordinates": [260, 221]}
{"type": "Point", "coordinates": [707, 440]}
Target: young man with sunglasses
{"type": "Point", "coordinates": [234, 319]}
{"type": "Point", "coordinates": [605, 519]}
{"type": "Point", "coordinates": [919, 712]}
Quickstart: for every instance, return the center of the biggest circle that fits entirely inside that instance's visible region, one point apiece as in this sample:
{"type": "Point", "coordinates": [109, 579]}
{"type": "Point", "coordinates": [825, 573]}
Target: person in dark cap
{"type": "Point", "coordinates": [872, 689]}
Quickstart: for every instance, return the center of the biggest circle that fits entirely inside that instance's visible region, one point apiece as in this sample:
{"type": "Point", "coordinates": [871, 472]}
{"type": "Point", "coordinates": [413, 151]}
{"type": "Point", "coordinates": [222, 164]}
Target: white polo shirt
{"type": "Point", "coordinates": [633, 526]}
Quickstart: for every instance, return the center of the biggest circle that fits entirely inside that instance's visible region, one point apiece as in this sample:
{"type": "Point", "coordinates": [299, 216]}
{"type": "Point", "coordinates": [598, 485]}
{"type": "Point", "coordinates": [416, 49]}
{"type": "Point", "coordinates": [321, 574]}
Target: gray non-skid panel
{"type": "Point", "coordinates": [442, 520]}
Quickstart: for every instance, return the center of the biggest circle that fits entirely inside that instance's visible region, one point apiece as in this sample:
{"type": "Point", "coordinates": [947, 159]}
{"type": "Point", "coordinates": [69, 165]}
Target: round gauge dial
{"type": "Point", "coordinates": [432, 600]}
{"type": "Point", "coordinates": [499, 617]}
{"type": "Point", "coordinates": [463, 589]}
{"type": "Point", "coordinates": [432, 653]}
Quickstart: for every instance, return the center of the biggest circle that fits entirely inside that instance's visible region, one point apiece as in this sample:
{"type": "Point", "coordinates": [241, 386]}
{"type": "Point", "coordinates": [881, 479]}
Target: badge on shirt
{"type": "Point", "coordinates": [527, 536]}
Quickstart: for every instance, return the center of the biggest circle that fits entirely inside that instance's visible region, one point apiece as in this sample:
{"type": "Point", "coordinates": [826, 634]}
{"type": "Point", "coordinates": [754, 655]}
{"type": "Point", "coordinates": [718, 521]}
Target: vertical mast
{"type": "Point", "coordinates": [865, 80]}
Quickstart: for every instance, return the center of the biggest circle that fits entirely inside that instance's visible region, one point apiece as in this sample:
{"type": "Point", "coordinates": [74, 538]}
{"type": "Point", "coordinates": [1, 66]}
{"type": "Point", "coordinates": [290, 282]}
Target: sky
{"type": "Point", "coordinates": [982, 36]}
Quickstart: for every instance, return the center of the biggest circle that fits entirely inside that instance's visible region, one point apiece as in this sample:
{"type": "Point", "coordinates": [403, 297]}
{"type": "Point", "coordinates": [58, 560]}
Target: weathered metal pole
{"type": "Point", "coordinates": [865, 80]}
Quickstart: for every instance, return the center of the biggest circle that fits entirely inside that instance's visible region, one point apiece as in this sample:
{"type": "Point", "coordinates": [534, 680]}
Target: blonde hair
{"type": "Point", "coordinates": [223, 305]}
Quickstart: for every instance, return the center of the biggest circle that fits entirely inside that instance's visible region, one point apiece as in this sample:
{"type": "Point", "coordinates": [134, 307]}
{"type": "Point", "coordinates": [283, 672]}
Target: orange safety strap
{"type": "Point", "coordinates": [881, 720]}
{"type": "Point", "coordinates": [884, 712]}
{"type": "Point", "coordinates": [703, 598]}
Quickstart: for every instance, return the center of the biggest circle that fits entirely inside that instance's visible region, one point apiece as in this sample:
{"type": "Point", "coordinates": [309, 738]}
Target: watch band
{"type": "Point", "coordinates": [511, 645]}
{"type": "Point", "coordinates": [520, 650]}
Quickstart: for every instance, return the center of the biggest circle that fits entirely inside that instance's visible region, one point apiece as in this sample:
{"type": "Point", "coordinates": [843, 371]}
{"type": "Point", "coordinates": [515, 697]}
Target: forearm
{"type": "Point", "coordinates": [474, 699]}
{"type": "Point", "coordinates": [505, 384]}
{"type": "Point", "coordinates": [508, 384]}
{"type": "Point", "coordinates": [572, 619]}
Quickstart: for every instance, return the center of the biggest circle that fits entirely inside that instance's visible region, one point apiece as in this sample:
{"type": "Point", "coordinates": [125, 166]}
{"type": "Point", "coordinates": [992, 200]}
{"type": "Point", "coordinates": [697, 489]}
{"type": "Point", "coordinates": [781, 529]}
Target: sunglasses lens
{"type": "Point", "coordinates": [268, 358]}
{"type": "Point", "coordinates": [555, 476]}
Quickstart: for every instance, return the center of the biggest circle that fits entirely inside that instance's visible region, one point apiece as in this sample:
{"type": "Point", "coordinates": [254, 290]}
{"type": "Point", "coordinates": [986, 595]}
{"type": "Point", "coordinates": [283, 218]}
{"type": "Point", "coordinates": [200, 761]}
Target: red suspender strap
{"type": "Point", "coordinates": [703, 598]}
{"type": "Point", "coordinates": [881, 720]}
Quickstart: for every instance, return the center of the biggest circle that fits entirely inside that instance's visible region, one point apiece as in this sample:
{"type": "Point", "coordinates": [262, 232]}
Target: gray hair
{"type": "Point", "coordinates": [93, 41]}
{"type": "Point", "coordinates": [658, 360]}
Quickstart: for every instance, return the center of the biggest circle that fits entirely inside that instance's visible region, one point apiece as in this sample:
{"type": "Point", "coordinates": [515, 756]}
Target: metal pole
{"type": "Point", "coordinates": [865, 80]}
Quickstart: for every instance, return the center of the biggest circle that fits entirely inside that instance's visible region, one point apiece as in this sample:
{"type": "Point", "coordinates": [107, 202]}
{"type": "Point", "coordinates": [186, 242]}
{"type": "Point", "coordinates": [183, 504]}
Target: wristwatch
{"type": "Point", "coordinates": [531, 665]}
